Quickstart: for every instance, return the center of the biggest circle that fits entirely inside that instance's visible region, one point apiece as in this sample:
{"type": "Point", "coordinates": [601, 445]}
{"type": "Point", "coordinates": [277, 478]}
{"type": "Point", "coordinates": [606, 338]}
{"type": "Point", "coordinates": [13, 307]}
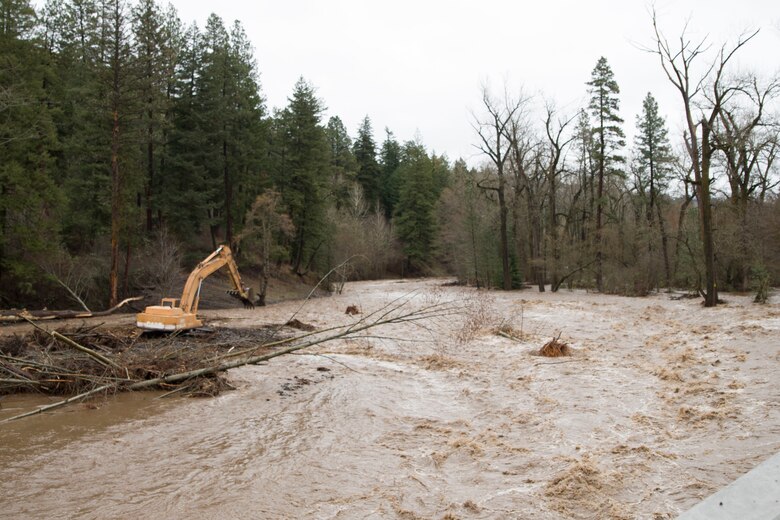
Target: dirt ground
{"type": "Point", "coordinates": [661, 403]}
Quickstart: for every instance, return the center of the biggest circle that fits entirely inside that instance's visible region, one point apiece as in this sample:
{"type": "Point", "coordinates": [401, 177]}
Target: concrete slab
{"type": "Point", "coordinates": [753, 496]}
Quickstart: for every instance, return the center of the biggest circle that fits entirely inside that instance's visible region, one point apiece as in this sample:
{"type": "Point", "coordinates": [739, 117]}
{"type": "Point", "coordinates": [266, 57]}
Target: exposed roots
{"type": "Point", "coordinates": [555, 348]}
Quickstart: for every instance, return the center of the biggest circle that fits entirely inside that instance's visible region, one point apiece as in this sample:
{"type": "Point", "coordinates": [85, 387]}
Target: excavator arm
{"type": "Point", "coordinates": [223, 256]}
{"type": "Point", "coordinates": [169, 316]}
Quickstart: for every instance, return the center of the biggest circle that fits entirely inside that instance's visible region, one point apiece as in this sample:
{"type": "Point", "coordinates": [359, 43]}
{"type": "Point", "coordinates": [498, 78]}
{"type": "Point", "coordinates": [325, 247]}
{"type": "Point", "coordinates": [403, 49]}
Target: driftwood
{"type": "Point", "coordinates": [171, 379]}
{"type": "Point", "coordinates": [390, 314]}
{"type": "Point", "coordinates": [11, 316]}
{"type": "Point", "coordinates": [103, 360]}
{"type": "Point", "coordinates": [509, 336]}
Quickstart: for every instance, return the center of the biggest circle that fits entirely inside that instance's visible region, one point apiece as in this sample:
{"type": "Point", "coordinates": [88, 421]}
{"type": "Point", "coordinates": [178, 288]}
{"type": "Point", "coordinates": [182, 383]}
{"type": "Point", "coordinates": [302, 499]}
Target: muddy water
{"type": "Point", "coordinates": [651, 414]}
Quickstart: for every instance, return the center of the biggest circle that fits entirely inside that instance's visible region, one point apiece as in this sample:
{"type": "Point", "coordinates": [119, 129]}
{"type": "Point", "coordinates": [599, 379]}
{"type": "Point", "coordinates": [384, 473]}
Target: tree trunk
{"type": "Point", "coordinates": [553, 234]}
{"type": "Point", "coordinates": [113, 277]}
{"type": "Point", "coordinates": [705, 214]}
{"type": "Point", "coordinates": [228, 196]}
{"type": "Point", "coordinates": [126, 277]}
{"type": "Point", "coordinates": [680, 223]}
{"type": "Point", "coordinates": [503, 212]}
{"type": "Point", "coordinates": [664, 247]}
{"type": "Point", "coordinates": [150, 176]}
{"type": "Point", "coordinates": [599, 216]}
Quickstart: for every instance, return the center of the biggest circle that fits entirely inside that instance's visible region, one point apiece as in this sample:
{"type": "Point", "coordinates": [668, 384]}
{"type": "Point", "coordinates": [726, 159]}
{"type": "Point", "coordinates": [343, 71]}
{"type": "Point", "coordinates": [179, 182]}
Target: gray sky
{"type": "Point", "coordinates": [418, 66]}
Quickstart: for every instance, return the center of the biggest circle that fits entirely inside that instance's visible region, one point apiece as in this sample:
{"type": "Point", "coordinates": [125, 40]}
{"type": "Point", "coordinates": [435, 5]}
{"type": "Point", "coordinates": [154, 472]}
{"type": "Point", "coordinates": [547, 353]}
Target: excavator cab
{"type": "Point", "coordinates": [169, 317]}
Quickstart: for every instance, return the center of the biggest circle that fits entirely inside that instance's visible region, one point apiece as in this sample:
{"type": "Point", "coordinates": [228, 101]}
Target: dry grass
{"type": "Point", "coordinates": [481, 316]}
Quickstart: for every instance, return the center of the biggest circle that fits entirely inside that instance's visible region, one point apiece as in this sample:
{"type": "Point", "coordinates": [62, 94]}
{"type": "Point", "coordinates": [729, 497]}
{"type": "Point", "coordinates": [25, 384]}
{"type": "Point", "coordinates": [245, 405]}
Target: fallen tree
{"type": "Point", "coordinates": [15, 315]}
{"type": "Point", "coordinates": [117, 371]}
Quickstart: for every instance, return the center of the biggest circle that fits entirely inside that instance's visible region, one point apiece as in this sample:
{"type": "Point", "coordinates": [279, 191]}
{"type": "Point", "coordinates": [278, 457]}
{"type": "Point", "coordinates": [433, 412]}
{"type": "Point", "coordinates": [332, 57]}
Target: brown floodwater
{"type": "Point", "coordinates": [662, 403]}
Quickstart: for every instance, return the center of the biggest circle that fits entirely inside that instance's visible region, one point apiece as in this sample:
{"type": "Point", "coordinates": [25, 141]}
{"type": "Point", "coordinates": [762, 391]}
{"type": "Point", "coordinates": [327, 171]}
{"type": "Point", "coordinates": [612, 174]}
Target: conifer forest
{"type": "Point", "coordinates": [132, 144]}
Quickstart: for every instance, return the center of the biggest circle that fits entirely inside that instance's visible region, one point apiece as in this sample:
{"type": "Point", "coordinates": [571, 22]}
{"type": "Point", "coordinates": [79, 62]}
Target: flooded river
{"type": "Point", "coordinates": [662, 403]}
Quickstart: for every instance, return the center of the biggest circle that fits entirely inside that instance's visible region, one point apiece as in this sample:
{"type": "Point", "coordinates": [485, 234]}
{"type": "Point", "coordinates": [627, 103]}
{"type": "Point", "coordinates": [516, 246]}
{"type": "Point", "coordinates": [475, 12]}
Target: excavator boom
{"type": "Point", "coordinates": [168, 316]}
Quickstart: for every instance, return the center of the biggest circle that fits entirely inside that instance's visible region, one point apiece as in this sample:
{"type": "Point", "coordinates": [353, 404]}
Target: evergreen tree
{"type": "Point", "coordinates": [155, 35]}
{"type": "Point", "coordinates": [212, 99]}
{"type": "Point", "coordinates": [467, 241]}
{"type": "Point", "coordinates": [608, 140]}
{"type": "Point", "coordinates": [368, 168]}
{"type": "Point", "coordinates": [414, 213]}
{"type": "Point", "coordinates": [652, 166]}
{"type": "Point", "coordinates": [248, 135]}
{"type": "Point", "coordinates": [342, 161]}
{"type": "Point", "coordinates": [230, 111]}
{"type": "Point", "coordinates": [388, 180]}
{"type": "Point", "coordinates": [301, 172]}
{"type": "Point", "coordinates": [29, 198]}
{"type": "Point", "coordinates": [653, 153]}
{"type": "Point", "coordinates": [119, 78]}
{"type": "Point", "coordinates": [185, 190]}
{"type": "Point", "coordinates": [74, 32]}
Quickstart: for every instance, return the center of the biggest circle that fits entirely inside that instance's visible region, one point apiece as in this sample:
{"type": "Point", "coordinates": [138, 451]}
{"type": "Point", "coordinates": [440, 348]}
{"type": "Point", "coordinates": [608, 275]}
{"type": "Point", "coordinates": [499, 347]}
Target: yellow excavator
{"type": "Point", "coordinates": [168, 316]}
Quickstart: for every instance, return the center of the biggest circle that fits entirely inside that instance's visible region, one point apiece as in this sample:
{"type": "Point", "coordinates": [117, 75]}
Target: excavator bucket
{"type": "Point", "coordinates": [248, 299]}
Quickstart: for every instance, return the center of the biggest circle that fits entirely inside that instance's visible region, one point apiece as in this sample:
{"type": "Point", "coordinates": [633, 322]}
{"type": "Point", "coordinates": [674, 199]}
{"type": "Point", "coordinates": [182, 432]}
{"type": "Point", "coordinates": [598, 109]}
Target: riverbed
{"type": "Point", "coordinates": [661, 403]}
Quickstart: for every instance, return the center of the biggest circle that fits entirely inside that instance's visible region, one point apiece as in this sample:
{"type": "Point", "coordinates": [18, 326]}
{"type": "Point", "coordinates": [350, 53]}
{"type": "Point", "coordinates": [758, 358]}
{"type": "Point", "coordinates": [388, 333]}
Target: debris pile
{"type": "Point", "coordinates": [555, 348]}
{"type": "Point", "coordinates": [76, 360]}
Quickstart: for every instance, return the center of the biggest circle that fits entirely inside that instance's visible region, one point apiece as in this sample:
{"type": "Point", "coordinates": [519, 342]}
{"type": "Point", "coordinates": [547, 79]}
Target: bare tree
{"type": "Point", "coordinates": [703, 102]}
{"type": "Point", "coordinates": [555, 167]}
{"type": "Point", "coordinates": [492, 130]}
{"type": "Point", "coordinates": [747, 141]}
{"type": "Point", "coordinates": [266, 221]}
{"type": "Point", "coordinates": [529, 186]}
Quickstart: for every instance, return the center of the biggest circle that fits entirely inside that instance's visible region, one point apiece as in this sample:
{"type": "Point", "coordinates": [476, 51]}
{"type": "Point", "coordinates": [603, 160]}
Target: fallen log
{"type": "Point", "coordinates": [173, 378]}
{"type": "Point", "coordinates": [390, 314]}
{"type": "Point", "coordinates": [59, 403]}
{"type": "Point", "coordinates": [12, 316]}
{"type": "Point", "coordinates": [103, 360]}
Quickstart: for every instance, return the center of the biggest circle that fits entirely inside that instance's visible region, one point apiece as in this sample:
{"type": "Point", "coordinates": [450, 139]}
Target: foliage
{"type": "Point", "coordinates": [414, 215]}
{"type": "Point", "coordinates": [300, 173]}
{"type": "Point", "coordinates": [368, 174]}
{"type": "Point", "coordinates": [30, 200]}
{"type": "Point", "coordinates": [265, 230]}
{"type": "Point", "coordinates": [126, 135]}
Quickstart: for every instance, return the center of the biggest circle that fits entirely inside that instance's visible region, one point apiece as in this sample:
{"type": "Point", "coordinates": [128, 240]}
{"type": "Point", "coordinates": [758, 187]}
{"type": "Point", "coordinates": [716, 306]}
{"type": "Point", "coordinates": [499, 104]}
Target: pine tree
{"type": "Point", "coordinates": [653, 153]}
{"type": "Point", "coordinates": [120, 79]}
{"type": "Point", "coordinates": [230, 111]}
{"type": "Point", "coordinates": [212, 99]}
{"type": "Point", "coordinates": [608, 140]}
{"type": "Point", "coordinates": [155, 42]}
{"type": "Point", "coordinates": [652, 165]}
{"type": "Point", "coordinates": [368, 168]}
{"type": "Point", "coordinates": [248, 135]}
{"type": "Point", "coordinates": [185, 191]}
{"type": "Point", "coordinates": [414, 214]}
{"type": "Point", "coordinates": [301, 172]}
{"type": "Point", "coordinates": [388, 180]}
{"type": "Point", "coordinates": [29, 198]}
{"type": "Point", "coordinates": [74, 32]}
{"type": "Point", "coordinates": [342, 161]}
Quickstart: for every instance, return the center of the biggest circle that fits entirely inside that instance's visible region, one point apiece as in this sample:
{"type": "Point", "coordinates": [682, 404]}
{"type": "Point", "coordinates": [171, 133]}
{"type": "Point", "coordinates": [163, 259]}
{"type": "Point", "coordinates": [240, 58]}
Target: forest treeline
{"type": "Point", "coordinates": [132, 145]}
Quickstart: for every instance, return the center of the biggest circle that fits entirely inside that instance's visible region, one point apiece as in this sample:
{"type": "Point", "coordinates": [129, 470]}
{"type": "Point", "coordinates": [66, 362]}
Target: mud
{"type": "Point", "coordinates": [661, 403]}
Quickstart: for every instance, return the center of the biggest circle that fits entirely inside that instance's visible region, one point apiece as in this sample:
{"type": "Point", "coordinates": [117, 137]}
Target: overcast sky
{"type": "Point", "coordinates": [418, 65]}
